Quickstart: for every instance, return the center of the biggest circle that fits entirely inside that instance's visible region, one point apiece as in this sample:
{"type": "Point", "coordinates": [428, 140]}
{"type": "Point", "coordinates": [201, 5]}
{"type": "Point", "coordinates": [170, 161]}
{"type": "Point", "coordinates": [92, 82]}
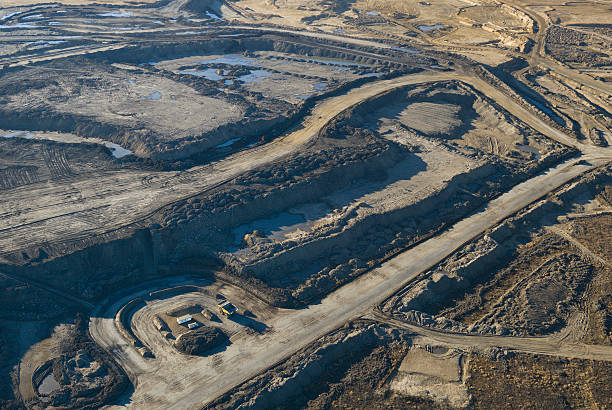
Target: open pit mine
{"type": "Point", "coordinates": [305, 204]}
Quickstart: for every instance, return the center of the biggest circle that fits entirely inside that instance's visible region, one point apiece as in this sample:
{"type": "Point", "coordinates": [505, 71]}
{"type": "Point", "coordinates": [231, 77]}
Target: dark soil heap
{"type": "Point", "coordinates": [201, 340]}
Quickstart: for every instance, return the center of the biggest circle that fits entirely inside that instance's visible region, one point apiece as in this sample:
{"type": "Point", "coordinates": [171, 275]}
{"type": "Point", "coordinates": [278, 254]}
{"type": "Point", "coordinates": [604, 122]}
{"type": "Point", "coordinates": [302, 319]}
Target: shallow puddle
{"type": "Point", "coordinates": [116, 14]}
{"type": "Point", "coordinates": [117, 151]}
{"type": "Point", "coordinates": [155, 95]}
{"type": "Point", "coordinates": [228, 143]}
{"type": "Point", "coordinates": [213, 16]}
{"type": "Point", "coordinates": [32, 17]}
{"type": "Point", "coordinates": [254, 76]}
{"type": "Point", "coordinates": [209, 74]}
{"type": "Point", "coordinates": [320, 86]}
{"type": "Point", "coordinates": [301, 218]}
{"type": "Point", "coordinates": [48, 385]}
{"type": "Point", "coordinates": [529, 149]}
{"type": "Point", "coordinates": [231, 59]}
{"type": "Point", "coordinates": [19, 134]}
{"type": "Point", "coordinates": [426, 29]}
{"type": "Point", "coordinates": [404, 50]}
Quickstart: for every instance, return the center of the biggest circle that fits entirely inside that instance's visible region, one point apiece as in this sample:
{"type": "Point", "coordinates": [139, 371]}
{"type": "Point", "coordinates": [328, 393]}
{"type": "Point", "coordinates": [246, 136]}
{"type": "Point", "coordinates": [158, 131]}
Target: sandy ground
{"type": "Point", "coordinates": [437, 376]}
{"type": "Point", "coordinates": [50, 214]}
{"type": "Point", "coordinates": [35, 357]}
{"type": "Point", "coordinates": [77, 208]}
{"type": "Point", "coordinates": [16, 3]}
{"type": "Point", "coordinates": [124, 199]}
{"type": "Point", "coordinates": [167, 384]}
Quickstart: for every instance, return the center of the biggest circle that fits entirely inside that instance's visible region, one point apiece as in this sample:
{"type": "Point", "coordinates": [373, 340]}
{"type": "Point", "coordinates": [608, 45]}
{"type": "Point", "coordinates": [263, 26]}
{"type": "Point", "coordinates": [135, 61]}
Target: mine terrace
{"type": "Point", "coordinates": [305, 204]}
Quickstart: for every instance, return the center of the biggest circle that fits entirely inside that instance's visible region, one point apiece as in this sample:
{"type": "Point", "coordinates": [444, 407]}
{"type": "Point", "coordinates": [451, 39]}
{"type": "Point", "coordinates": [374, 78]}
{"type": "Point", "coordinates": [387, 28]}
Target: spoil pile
{"type": "Point", "coordinates": [201, 340]}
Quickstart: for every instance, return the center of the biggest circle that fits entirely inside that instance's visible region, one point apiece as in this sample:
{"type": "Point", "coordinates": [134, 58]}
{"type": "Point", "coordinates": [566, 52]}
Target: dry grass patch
{"type": "Point", "coordinates": [539, 382]}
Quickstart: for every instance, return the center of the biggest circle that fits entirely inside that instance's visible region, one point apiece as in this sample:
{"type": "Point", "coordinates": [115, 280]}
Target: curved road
{"type": "Point", "coordinates": [174, 385]}
{"type": "Point", "coordinates": [52, 216]}
{"type": "Point", "coordinates": [549, 346]}
{"type": "Point", "coordinates": [198, 380]}
{"type": "Point", "coordinates": [64, 210]}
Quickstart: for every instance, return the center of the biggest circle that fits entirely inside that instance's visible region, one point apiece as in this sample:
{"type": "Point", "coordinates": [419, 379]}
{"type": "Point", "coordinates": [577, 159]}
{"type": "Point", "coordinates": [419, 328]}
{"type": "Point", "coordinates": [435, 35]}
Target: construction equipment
{"type": "Point", "coordinates": [226, 308]}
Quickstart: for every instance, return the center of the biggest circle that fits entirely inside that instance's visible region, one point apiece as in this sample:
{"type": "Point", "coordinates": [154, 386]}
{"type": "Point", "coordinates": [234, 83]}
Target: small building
{"type": "Point", "coordinates": [193, 325]}
{"type": "Point", "coordinates": [184, 319]}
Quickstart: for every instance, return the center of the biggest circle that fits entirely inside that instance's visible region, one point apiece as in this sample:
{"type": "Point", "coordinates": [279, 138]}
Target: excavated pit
{"type": "Point", "coordinates": [150, 99]}
{"type": "Point", "coordinates": [544, 271]}
{"type": "Point", "coordinates": [371, 185]}
{"type": "Point", "coordinates": [184, 152]}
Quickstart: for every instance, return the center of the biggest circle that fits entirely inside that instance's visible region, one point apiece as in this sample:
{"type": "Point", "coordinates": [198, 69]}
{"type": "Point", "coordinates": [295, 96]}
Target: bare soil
{"type": "Point", "coordinates": [87, 376]}
{"type": "Point", "coordinates": [350, 368]}
{"type": "Point", "coordinates": [483, 297]}
{"type": "Point", "coordinates": [201, 340]}
{"type": "Point", "coordinates": [320, 155]}
{"type": "Point", "coordinates": [595, 232]}
{"type": "Point", "coordinates": [535, 382]}
{"type": "Point", "coordinates": [521, 279]}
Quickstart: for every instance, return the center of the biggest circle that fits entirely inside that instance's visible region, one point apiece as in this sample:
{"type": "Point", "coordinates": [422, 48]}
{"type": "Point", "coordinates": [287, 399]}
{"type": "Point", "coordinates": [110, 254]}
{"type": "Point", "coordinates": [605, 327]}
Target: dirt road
{"type": "Point", "coordinates": [65, 210]}
{"type": "Point", "coordinates": [166, 383]}
{"type": "Point", "coordinates": [550, 346]}
{"type": "Point", "coordinates": [52, 216]}
{"type": "Point", "coordinates": [69, 209]}
{"type": "Point", "coordinates": [538, 56]}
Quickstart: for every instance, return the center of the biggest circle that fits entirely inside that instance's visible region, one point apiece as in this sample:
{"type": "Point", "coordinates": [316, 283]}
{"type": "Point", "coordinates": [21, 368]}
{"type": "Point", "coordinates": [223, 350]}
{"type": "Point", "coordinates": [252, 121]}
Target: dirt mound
{"type": "Point", "coordinates": [84, 376]}
{"type": "Point", "coordinates": [349, 368]}
{"type": "Point", "coordinates": [201, 340]}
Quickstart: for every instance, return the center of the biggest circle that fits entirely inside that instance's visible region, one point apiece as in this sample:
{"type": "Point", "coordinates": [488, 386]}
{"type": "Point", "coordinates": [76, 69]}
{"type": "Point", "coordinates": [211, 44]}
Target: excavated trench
{"type": "Point", "coordinates": [516, 279]}
{"type": "Point", "coordinates": [346, 162]}
{"type": "Point", "coordinates": [256, 115]}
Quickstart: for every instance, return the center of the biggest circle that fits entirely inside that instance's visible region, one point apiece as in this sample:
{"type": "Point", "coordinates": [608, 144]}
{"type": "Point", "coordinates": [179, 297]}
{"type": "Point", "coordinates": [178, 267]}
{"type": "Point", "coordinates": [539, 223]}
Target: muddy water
{"type": "Point", "coordinates": [155, 95]}
{"type": "Point", "coordinates": [209, 74]}
{"type": "Point", "coordinates": [48, 385]}
{"type": "Point", "coordinates": [231, 59]}
{"type": "Point", "coordinates": [117, 151]}
{"type": "Point", "coordinates": [425, 29]}
{"type": "Point", "coordinates": [254, 76]}
{"type": "Point", "coordinates": [530, 149]}
{"type": "Point", "coordinates": [320, 86]}
{"type": "Point", "coordinates": [115, 14]}
{"type": "Point", "coordinates": [228, 143]}
{"type": "Point", "coordinates": [19, 134]}
{"type": "Point", "coordinates": [277, 227]}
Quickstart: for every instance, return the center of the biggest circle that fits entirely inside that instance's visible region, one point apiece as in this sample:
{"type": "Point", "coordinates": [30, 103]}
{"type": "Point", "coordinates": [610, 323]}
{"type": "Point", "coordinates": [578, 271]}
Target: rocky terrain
{"type": "Point", "coordinates": [408, 202]}
{"type": "Point", "coordinates": [523, 278]}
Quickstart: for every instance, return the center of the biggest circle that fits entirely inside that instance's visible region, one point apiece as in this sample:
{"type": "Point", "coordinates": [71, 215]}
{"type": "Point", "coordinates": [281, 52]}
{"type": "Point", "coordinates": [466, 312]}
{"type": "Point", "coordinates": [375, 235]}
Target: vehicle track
{"type": "Point", "coordinates": [206, 378]}
{"type": "Point", "coordinates": [129, 203]}
{"type": "Point", "coordinates": [549, 346]}
{"type": "Point", "coordinates": [295, 329]}
{"type": "Point", "coordinates": [130, 199]}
